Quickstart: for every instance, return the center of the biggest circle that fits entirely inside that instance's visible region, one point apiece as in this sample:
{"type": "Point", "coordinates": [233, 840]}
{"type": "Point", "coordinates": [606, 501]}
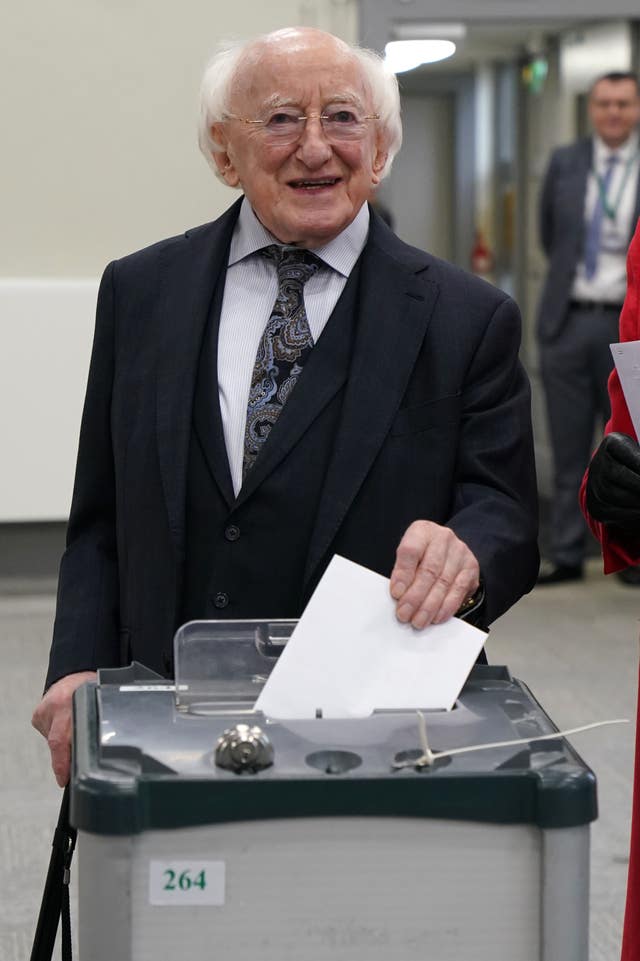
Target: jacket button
{"type": "Point", "coordinates": [221, 599]}
{"type": "Point", "coordinates": [232, 532]}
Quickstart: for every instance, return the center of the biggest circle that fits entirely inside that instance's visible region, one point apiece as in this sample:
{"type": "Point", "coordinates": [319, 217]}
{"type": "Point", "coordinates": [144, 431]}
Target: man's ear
{"type": "Point", "coordinates": [377, 167]}
{"type": "Point", "coordinates": [379, 161]}
{"type": "Point", "coordinates": [222, 159]}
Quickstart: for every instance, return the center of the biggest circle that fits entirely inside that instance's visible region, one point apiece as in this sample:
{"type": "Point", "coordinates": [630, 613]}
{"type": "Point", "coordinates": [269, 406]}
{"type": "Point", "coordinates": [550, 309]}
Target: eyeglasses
{"type": "Point", "coordinates": [284, 126]}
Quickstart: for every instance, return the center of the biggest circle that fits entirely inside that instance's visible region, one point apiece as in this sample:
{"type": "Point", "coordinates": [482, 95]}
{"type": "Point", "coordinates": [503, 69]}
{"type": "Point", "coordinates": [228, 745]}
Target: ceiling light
{"type": "Point", "coordinates": [402, 55]}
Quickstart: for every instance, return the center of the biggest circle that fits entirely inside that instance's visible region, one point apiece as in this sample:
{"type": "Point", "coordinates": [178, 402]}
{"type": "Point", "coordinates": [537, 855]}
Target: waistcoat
{"type": "Point", "coordinates": [245, 556]}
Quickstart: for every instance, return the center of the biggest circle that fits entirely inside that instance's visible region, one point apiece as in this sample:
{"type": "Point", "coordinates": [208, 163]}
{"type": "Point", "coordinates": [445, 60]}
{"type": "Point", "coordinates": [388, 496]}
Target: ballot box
{"type": "Point", "coordinates": [207, 830]}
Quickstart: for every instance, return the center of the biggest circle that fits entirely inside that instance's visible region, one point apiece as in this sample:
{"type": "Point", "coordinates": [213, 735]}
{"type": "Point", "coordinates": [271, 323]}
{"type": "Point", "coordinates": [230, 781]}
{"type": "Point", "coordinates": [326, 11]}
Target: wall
{"type": "Point", "coordinates": [99, 158]}
{"type": "Point", "coordinates": [455, 144]}
{"type": "Point", "coordinates": [420, 186]}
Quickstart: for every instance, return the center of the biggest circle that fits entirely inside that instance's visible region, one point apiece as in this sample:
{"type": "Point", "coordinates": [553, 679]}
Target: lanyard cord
{"type": "Point", "coordinates": [611, 209]}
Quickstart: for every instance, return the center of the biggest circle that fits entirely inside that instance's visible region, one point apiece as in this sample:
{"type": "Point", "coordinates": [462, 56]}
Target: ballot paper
{"type": "Point", "coordinates": [626, 357]}
{"type": "Point", "coordinates": [349, 655]}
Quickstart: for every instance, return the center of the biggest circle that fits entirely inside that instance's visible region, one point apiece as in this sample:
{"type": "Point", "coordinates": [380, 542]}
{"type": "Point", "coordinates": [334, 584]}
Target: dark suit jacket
{"type": "Point", "coordinates": [561, 225]}
{"type": "Point", "coordinates": [434, 422]}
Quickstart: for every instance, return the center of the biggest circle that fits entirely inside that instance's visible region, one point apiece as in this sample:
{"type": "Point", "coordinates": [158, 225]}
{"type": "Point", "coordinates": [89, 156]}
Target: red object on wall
{"type": "Point", "coordinates": [481, 256]}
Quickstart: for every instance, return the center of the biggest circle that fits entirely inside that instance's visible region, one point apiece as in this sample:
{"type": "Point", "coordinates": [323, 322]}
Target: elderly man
{"type": "Point", "coordinates": [290, 382]}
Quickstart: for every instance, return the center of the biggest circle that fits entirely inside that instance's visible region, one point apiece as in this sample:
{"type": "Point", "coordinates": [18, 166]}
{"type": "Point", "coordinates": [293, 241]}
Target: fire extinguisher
{"type": "Point", "coordinates": [481, 256]}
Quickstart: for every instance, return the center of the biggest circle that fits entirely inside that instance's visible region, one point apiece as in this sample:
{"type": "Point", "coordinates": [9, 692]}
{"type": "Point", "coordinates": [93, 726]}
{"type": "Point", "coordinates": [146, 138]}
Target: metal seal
{"type": "Point", "coordinates": [244, 749]}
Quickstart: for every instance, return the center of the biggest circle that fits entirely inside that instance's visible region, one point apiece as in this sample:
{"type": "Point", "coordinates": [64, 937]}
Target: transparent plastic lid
{"type": "Point", "coordinates": [222, 666]}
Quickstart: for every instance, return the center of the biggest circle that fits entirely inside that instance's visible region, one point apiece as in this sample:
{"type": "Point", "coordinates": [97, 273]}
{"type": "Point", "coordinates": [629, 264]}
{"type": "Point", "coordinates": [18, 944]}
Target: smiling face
{"type": "Point", "coordinates": [614, 110]}
{"type": "Point", "coordinates": [308, 191]}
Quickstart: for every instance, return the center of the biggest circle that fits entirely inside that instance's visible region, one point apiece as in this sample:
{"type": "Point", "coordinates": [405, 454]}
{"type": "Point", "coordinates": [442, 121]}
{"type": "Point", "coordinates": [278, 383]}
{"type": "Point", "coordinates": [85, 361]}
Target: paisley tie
{"type": "Point", "coordinates": [284, 346]}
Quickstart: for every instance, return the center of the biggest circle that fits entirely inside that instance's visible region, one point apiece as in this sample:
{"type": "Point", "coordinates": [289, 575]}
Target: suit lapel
{"type": "Point", "coordinates": [189, 272]}
{"type": "Point", "coordinates": [395, 307]}
{"type": "Point", "coordinates": [578, 185]}
{"type": "Point", "coordinates": [207, 417]}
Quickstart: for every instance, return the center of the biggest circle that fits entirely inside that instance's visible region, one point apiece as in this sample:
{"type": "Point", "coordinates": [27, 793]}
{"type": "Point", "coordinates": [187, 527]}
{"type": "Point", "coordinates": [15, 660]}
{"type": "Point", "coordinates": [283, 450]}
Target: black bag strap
{"type": "Point", "coordinates": [55, 897]}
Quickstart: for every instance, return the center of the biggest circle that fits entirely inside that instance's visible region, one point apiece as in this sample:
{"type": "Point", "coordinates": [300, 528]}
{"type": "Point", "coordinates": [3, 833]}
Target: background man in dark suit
{"type": "Point", "coordinates": [589, 206]}
{"type": "Point", "coordinates": [381, 413]}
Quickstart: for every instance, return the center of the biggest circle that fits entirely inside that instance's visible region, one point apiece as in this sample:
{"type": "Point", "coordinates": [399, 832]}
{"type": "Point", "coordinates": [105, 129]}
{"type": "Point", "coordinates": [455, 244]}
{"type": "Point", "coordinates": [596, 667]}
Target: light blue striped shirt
{"type": "Point", "coordinates": [250, 291]}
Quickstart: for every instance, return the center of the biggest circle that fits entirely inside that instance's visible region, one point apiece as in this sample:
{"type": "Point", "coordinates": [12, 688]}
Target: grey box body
{"type": "Point", "coordinates": [484, 857]}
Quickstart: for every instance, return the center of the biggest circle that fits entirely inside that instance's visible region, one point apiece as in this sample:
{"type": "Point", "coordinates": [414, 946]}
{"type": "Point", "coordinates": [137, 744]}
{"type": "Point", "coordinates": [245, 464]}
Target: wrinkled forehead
{"type": "Point", "coordinates": [298, 74]}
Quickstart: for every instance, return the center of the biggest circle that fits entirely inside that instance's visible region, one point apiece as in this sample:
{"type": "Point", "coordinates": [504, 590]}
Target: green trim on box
{"type": "Point", "coordinates": [111, 801]}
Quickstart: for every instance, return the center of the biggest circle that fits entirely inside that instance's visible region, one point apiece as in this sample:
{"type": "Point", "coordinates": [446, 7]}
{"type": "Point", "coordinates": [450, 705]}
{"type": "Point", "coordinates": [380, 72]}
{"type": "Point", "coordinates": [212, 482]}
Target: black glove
{"type": "Point", "coordinates": [613, 484]}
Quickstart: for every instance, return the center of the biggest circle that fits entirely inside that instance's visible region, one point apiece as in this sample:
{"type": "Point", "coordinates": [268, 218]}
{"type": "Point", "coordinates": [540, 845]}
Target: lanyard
{"type": "Point", "coordinates": [611, 208]}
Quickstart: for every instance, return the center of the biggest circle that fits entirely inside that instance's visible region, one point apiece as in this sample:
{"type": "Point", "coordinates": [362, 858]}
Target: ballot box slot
{"type": "Point", "coordinates": [334, 762]}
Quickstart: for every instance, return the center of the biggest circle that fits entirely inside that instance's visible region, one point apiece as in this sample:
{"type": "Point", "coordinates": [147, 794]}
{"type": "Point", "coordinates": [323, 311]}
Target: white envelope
{"type": "Point", "coordinates": [349, 654]}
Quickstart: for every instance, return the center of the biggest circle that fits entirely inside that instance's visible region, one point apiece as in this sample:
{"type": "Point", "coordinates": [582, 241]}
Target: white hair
{"type": "Point", "coordinates": [217, 87]}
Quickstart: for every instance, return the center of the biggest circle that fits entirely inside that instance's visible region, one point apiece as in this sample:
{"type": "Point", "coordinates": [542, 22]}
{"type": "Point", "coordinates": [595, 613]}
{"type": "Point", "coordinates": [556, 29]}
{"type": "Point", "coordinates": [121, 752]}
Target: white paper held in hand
{"type": "Point", "coordinates": [626, 357]}
{"type": "Point", "coordinates": [349, 655]}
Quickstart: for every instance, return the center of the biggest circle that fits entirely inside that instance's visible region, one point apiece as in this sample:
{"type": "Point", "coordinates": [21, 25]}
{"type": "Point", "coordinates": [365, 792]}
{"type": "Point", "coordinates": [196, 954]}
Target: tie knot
{"type": "Point", "coordinates": [292, 263]}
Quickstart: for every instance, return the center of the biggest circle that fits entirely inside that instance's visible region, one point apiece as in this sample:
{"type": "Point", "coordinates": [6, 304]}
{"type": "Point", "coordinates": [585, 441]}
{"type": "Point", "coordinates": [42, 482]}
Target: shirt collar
{"type": "Point", "coordinates": [340, 254]}
{"type": "Point", "coordinates": [625, 153]}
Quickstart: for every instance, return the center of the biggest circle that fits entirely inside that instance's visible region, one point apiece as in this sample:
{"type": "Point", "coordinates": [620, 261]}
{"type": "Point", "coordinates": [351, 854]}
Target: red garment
{"type": "Point", "coordinates": [631, 933]}
{"type": "Point", "coordinates": [618, 552]}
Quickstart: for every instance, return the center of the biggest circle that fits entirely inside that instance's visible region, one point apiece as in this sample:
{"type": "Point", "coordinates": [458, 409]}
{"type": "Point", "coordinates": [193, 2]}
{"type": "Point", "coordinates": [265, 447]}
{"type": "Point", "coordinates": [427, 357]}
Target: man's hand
{"type": "Point", "coordinates": [434, 573]}
{"type": "Point", "coordinates": [52, 718]}
{"type": "Point", "coordinates": [613, 484]}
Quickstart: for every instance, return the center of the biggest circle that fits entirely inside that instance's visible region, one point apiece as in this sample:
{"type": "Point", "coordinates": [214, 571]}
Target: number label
{"type": "Point", "coordinates": [187, 882]}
